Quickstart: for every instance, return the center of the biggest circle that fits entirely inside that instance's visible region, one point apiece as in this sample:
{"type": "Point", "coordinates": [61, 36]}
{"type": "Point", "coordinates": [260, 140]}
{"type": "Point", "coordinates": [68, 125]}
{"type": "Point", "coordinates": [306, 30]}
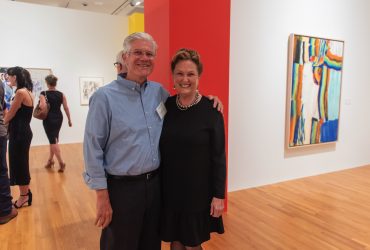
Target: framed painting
{"type": "Point", "coordinates": [38, 78]}
{"type": "Point", "coordinates": [88, 85]}
{"type": "Point", "coordinates": [314, 90]}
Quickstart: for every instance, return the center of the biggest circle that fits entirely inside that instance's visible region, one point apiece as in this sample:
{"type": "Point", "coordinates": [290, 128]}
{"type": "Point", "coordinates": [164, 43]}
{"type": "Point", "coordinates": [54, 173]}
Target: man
{"type": "Point", "coordinates": [7, 211]}
{"type": "Point", "coordinates": [8, 91]}
{"type": "Point", "coordinates": [120, 65]}
{"type": "Point", "coordinates": [121, 151]}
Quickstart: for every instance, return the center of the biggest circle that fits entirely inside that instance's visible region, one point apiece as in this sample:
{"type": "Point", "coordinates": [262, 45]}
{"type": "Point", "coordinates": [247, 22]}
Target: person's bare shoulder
{"type": "Point", "coordinates": [21, 92]}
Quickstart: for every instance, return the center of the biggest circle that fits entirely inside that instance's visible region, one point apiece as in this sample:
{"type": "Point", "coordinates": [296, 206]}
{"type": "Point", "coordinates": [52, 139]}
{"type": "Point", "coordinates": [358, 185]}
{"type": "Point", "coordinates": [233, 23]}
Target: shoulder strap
{"type": "Point", "coordinates": [30, 96]}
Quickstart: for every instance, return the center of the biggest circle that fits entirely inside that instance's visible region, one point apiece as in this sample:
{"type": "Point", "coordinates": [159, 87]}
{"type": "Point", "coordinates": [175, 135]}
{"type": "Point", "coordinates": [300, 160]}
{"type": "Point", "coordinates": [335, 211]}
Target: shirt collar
{"type": "Point", "coordinates": [131, 84]}
{"type": "Point", "coordinates": [123, 75]}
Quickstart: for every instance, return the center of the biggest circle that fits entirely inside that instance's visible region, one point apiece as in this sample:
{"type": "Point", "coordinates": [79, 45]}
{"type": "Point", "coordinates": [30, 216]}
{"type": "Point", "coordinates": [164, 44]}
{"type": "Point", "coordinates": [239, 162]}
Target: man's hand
{"type": "Point", "coordinates": [103, 208]}
{"type": "Point", "coordinates": [216, 103]}
{"type": "Point", "coordinates": [217, 207]}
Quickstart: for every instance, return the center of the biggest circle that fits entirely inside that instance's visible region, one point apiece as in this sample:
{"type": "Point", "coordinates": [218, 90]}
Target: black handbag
{"type": "Point", "coordinates": [40, 113]}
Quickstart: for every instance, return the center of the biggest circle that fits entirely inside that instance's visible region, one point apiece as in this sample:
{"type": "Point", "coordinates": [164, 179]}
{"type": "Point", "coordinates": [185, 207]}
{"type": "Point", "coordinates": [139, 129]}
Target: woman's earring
{"type": "Point", "coordinates": [174, 86]}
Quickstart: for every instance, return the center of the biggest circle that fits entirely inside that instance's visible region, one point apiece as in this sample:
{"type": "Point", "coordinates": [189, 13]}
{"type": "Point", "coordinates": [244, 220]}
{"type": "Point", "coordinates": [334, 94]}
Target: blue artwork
{"type": "Point", "coordinates": [315, 85]}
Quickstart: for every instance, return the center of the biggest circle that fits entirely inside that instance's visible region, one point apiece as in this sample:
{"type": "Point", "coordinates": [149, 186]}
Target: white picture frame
{"type": "Point", "coordinates": [88, 85]}
{"type": "Point", "coordinates": [38, 79]}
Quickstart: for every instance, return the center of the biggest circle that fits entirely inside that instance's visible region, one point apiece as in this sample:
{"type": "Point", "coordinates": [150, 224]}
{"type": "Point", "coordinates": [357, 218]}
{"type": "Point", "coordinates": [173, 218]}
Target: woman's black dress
{"type": "Point", "coordinates": [54, 120]}
{"type": "Point", "coordinates": [20, 136]}
{"type": "Point", "coordinates": [193, 168]}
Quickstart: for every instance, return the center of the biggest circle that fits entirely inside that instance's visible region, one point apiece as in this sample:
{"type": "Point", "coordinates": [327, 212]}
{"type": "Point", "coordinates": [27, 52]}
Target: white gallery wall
{"type": "Point", "coordinates": [72, 43]}
{"type": "Point", "coordinates": [258, 80]}
{"type": "Point", "coordinates": [76, 43]}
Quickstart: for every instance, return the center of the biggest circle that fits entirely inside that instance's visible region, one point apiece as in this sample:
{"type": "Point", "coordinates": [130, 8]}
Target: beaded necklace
{"type": "Point", "coordinates": [185, 107]}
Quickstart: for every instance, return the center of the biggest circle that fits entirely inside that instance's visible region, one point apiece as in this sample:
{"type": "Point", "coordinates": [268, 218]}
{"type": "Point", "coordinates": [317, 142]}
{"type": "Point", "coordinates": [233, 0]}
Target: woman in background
{"type": "Point", "coordinates": [193, 161]}
{"type": "Point", "coordinates": [54, 120]}
{"type": "Point", "coordinates": [20, 134]}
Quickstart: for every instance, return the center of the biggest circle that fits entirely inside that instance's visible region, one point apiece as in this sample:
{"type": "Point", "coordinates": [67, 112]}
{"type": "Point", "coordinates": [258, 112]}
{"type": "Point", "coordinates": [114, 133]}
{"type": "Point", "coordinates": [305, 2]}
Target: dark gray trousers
{"type": "Point", "coordinates": [136, 210]}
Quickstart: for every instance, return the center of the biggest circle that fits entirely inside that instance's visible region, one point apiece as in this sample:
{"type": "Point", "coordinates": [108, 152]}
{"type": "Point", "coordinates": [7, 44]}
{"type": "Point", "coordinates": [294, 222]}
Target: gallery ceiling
{"type": "Point", "coordinates": [111, 7]}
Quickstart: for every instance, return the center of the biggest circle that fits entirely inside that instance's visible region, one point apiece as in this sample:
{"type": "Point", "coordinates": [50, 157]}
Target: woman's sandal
{"type": "Point", "coordinates": [49, 164]}
{"type": "Point", "coordinates": [62, 167]}
{"type": "Point", "coordinates": [29, 200]}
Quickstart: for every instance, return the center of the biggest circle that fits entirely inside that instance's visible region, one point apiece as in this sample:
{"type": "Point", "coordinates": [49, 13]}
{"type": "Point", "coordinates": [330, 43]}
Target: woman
{"type": "Point", "coordinates": [20, 134]}
{"type": "Point", "coordinates": [193, 161]}
{"type": "Point", "coordinates": [54, 120]}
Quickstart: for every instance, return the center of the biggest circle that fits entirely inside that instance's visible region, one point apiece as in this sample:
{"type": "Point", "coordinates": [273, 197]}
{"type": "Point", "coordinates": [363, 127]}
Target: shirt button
{"type": "Point", "coordinates": [149, 127]}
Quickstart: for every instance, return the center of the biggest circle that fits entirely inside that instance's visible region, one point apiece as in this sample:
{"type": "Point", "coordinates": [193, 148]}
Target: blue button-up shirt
{"type": "Point", "coordinates": [122, 130]}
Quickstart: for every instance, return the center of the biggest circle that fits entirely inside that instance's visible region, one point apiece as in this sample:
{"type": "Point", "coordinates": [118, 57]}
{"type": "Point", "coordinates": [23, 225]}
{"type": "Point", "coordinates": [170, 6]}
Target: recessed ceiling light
{"type": "Point", "coordinates": [136, 2]}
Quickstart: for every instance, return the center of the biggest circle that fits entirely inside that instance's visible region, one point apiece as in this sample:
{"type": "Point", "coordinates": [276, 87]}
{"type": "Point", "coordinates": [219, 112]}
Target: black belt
{"type": "Point", "coordinates": [140, 177]}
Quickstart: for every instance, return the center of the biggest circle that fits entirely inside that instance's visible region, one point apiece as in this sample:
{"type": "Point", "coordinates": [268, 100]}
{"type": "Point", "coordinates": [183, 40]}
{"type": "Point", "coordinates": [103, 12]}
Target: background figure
{"type": "Point", "coordinates": [193, 161]}
{"type": "Point", "coordinates": [8, 91]}
{"type": "Point", "coordinates": [120, 65]}
{"type": "Point", "coordinates": [20, 134]}
{"type": "Point", "coordinates": [7, 211]}
{"type": "Point", "coordinates": [54, 120]}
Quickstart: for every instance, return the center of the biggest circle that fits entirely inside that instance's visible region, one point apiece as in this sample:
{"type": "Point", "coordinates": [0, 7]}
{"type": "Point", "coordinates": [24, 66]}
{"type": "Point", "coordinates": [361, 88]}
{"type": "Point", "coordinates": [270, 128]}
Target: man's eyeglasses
{"type": "Point", "coordinates": [116, 64]}
{"type": "Point", "coordinates": [141, 53]}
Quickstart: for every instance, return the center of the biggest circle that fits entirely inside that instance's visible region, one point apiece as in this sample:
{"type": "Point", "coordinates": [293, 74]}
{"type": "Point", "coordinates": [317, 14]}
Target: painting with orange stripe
{"type": "Point", "coordinates": [314, 90]}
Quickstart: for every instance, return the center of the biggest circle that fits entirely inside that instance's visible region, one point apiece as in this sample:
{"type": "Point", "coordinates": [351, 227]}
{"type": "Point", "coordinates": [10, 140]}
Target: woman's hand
{"type": "Point", "coordinates": [216, 103]}
{"type": "Point", "coordinates": [217, 207]}
{"type": "Point", "coordinates": [70, 123]}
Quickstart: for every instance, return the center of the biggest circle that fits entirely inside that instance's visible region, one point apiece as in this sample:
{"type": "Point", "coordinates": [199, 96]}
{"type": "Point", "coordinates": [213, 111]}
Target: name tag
{"type": "Point", "coordinates": [161, 110]}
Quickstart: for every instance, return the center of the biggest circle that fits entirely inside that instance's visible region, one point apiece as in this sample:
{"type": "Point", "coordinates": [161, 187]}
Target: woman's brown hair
{"type": "Point", "coordinates": [51, 80]}
{"type": "Point", "coordinates": [187, 54]}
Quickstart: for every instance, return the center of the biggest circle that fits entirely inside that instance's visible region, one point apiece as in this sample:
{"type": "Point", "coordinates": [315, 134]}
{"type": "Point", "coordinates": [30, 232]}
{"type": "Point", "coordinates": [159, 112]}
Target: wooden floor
{"type": "Point", "coordinates": [330, 211]}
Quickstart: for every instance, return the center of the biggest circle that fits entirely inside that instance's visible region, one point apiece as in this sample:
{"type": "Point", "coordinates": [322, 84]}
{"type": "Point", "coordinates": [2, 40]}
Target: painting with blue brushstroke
{"type": "Point", "coordinates": [314, 90]}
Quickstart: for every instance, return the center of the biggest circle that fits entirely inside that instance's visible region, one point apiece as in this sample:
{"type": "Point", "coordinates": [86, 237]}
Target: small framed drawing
{"type": "Point", "coordinates": [88, 85]}
{"type": "Point", "coordinates": [314, 90]}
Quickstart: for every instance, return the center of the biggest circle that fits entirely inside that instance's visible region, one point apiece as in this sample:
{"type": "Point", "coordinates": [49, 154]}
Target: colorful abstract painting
{"type": "Point", "coordinates": [314, 85]}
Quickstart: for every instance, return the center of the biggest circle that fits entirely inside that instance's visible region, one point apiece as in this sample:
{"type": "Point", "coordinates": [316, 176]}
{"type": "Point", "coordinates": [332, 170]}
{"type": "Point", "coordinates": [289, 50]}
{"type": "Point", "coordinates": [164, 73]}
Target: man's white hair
{"type": "Point", "coordinates": [138, 36]}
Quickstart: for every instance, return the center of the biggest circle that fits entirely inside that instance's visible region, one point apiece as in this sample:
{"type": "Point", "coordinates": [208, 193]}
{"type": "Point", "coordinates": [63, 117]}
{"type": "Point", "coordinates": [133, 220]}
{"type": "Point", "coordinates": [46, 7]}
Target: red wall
{"type": "Point", "coordinates": [195, 24]}
{"type": "Point", "coordinates": [156, 21]}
